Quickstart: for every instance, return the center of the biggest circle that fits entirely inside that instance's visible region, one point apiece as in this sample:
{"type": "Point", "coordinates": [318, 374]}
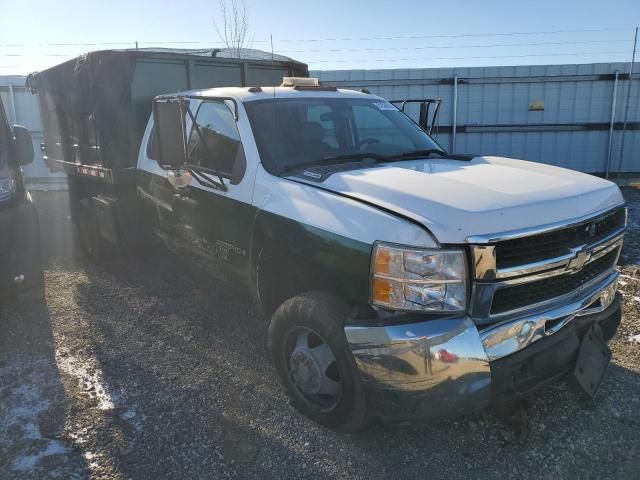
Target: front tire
{"type": "Point", "coordinates": [313, 359]}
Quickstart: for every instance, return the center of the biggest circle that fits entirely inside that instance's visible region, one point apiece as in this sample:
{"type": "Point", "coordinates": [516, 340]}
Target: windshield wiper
{"type": "Point", "coordinates": [338, 159]}
{"type": "Point", "coordinates": [350, 157]}
{"type": "Point", "coordinates": [355, 156]}
{"type": "Point", "coordinates": [418, 154]}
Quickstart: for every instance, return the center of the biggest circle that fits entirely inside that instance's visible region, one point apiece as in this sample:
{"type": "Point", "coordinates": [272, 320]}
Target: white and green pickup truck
{"type": "Point", "coordinates": [398, 281]}
{"type": "Point", "coordinates": [404, 282]}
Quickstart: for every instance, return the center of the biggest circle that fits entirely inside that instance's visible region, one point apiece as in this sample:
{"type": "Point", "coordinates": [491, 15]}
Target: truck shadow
{"type": "Point", "coordinates": [187, 354]}
{"type": "Point", "coordinates": [187, 357]}
{"type": "Point", "coordinates": [198, 346]}
{"type": "Point", "coordinates": [35, 409]}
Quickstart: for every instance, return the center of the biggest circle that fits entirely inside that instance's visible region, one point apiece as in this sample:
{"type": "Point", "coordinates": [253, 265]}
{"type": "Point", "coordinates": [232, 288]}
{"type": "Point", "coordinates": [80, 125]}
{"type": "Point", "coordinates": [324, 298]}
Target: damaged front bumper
{"type": "Point", "coordinates": [428, 369]}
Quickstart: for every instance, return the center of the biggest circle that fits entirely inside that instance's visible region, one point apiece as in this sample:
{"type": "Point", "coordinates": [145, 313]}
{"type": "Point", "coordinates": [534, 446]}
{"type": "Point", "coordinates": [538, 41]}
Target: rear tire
{"type": "Point", "coordinates": [299, 333]}
{"type": "Point", "coordinates": [92, 243]}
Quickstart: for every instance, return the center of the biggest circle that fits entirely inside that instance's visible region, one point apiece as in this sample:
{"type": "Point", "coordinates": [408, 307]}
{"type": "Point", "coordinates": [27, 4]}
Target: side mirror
{"type": "Point", "coordinates": [179, 178]}
{"type": "Point", "coordinates": [23, 145]}
{"type": "Point", "coordinates": [169, 120]}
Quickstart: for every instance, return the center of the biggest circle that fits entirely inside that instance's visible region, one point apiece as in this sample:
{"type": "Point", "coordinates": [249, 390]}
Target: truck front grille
{"type": "Point", "coordinates": [535, 248]}
{"type": "Point", "coordinates": [513, 297]}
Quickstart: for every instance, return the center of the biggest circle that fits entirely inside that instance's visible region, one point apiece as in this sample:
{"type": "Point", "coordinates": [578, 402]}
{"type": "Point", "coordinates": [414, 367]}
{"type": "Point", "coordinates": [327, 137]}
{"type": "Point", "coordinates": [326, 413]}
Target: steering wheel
{"type": "Point", "coordinates": [367, 141]}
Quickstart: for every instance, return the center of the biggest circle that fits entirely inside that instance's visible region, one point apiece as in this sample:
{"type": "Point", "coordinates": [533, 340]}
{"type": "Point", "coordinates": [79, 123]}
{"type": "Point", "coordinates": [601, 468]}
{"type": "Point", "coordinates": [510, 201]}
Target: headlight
{"type": "Point", "coordinates": [7, 188]}
{"type": "Point", "coordinates": [406, 278]}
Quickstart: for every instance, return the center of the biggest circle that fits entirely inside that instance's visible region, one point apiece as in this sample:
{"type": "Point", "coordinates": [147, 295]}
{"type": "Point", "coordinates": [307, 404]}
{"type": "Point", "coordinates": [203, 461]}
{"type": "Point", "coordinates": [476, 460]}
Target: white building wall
{"type": "Point", "coordinates": [22, 109]}
{"type": "Point", "coordinates": [493, 115]}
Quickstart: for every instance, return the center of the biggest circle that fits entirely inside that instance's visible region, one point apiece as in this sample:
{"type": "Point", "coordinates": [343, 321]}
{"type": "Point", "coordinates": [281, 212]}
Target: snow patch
{"type": "Point", "coordinates": [92, 460]}
{"type": "Point", "coordinates": [23, 406]}
{"type": "Point", "coordinates": [27, 462]}
{"type": "Point", "coordinates": [629, 277]}
{"type": "Point", "coordinates": [90, 379]}
{"type": "Point", "coordinates": [635, 338]}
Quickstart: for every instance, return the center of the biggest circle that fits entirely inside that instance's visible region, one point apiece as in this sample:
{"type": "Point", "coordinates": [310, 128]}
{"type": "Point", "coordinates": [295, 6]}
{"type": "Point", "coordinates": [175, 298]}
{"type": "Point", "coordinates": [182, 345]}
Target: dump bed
{"type": "Point", "coordinates": [95, 108]}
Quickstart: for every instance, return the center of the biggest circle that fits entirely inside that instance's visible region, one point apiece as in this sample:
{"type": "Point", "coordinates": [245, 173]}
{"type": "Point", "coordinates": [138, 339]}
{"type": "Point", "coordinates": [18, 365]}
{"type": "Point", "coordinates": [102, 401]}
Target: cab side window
{"type": "Point", "coordinates": [215, 144]}
{"type": "Point", "coordinates": [372, 123]}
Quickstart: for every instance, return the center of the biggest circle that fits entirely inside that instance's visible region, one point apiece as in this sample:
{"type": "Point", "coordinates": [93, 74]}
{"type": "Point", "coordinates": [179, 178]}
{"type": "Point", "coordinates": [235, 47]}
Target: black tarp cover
{"type": "Point", "coordinates": [87, 107]}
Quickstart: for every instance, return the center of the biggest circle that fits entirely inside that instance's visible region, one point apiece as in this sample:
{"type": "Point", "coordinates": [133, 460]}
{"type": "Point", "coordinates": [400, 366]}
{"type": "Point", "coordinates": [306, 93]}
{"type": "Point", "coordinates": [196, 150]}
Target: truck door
{"type": "Point", "coordinates": [217, 222]}
{"type": "Point", "coordinates": [158, 198]}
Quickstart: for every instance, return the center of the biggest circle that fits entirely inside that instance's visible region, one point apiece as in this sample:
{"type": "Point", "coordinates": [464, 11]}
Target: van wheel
{"type": "Point", "coordinates": [91, 241]}
{"type": "Point", "coordinates": [312, 357]}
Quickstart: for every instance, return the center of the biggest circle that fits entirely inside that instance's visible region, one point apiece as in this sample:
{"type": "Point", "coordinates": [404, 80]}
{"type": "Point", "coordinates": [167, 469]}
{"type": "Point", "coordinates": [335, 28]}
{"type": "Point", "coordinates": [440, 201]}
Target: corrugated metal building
{"type": "Point", "coordinates": [22, 109]}
{"type": "Point", "coordinates": [557, 114]}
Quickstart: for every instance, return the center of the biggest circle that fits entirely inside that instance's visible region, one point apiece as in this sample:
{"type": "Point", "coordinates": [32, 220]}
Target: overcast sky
{"type": "Point", "coordinates": [331, 34]}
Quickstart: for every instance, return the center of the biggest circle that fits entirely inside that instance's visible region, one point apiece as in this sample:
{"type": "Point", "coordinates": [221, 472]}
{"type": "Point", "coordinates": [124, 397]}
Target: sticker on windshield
{"type": "Point", "coordinates": [384, 106]}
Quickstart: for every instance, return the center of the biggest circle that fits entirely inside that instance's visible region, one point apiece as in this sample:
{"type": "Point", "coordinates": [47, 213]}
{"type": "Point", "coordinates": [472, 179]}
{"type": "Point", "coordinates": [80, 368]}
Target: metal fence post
{"type": "Point", "coordinates": [626, 109]}
{"type": "Point", "coordinates": [613, 115]}
{"type": "Point", "coordinates": [12, 98]}
{"type": "Point", "coordinates": [455, 113]}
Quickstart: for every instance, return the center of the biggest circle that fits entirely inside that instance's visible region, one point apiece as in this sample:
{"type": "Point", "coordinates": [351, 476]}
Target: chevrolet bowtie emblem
{"type": "Point", "coordinates": [580, 258]}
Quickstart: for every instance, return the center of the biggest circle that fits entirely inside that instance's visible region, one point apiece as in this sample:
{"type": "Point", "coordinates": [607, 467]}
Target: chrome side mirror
{"type": "Point", "coordinates": [179, 178]}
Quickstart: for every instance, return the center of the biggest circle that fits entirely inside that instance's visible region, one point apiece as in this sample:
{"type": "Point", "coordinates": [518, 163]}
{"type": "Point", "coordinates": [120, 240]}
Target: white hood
{"type": "Point", "coordinates": [487, 195]}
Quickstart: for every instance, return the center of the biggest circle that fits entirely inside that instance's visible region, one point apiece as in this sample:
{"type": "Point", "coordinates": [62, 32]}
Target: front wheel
{"type": "Point", "coordinates": [312, 357]}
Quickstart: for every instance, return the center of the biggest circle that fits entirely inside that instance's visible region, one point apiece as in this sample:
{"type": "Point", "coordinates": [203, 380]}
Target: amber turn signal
{"type": "Point", "coordinates": [382, 291]}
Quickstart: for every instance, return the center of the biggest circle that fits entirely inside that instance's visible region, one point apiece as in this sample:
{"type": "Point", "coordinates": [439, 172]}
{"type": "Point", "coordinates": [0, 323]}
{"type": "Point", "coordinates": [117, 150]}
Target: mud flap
{"type": "Point", "coordinates": [593, 358]}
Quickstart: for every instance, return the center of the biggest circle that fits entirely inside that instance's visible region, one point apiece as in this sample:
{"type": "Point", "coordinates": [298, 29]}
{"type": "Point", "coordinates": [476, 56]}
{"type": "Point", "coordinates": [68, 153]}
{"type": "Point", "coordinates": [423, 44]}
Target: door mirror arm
{"type": "Point", "coordinates": [203, 179]}
{"type": "Point", "coordinates": [197, 170]}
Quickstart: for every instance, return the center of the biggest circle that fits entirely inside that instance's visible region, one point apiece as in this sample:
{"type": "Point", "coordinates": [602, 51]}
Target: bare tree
{"type": "Point", "coordinates": [234, 30]}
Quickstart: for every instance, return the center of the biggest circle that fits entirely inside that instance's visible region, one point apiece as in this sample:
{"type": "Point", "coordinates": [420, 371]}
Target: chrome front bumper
{"type": "Point", "coordinates": [441, 368]}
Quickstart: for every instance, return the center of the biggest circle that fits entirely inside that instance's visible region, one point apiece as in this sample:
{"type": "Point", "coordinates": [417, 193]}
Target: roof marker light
{"type": "Point", "coordinates": [300, 81]}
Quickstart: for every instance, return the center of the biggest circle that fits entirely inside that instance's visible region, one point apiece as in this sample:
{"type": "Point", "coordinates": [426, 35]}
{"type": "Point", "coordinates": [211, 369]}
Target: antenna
{"type": "Point", "coordinates": [275, 115]}
{"type": "Point", "coordinates": [272, 69]}
{"type": "Point", "coordinates": [271, 40]}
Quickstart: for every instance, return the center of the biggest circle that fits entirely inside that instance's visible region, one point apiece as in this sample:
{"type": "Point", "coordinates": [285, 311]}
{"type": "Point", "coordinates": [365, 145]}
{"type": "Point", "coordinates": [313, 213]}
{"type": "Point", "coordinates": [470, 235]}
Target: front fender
{"type": "Point", "coordinates": [290, 257]}
{"type": "Point", "coordinates": [315, 239]}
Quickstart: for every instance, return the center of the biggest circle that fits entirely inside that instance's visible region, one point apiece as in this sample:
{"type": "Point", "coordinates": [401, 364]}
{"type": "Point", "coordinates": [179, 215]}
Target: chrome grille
{"type": "Point", "coordinates": [516, 273]}
{"type": "Point", "coordinates": [513, 297]}
{"type": "Point", "coordinates": [535, 248]}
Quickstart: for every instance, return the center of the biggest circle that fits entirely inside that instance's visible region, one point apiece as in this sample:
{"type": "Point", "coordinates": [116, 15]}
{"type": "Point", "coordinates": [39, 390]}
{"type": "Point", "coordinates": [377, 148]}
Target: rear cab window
{"type": "Point", "coordinates": [214, 140]}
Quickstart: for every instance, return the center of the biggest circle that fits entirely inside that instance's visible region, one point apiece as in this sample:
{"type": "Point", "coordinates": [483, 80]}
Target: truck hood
{"type": "Point", "coordinates": [487, 195]}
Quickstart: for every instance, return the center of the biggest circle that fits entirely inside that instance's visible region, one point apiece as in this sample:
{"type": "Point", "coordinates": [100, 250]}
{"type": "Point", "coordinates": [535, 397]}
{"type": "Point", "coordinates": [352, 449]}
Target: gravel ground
{"type": "Point", "coordinates": [131, 369]}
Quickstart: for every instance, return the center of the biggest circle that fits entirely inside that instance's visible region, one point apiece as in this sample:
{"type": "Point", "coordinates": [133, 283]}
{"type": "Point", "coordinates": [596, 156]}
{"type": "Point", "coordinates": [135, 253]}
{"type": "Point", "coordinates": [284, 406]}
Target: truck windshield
{"type": "Point", "coordinates": [304, 131]}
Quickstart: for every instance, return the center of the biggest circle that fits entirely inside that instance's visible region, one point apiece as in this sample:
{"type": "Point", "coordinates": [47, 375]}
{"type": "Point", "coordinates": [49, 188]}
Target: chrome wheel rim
{"type": "Point", "coordinates": [313, 369]}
